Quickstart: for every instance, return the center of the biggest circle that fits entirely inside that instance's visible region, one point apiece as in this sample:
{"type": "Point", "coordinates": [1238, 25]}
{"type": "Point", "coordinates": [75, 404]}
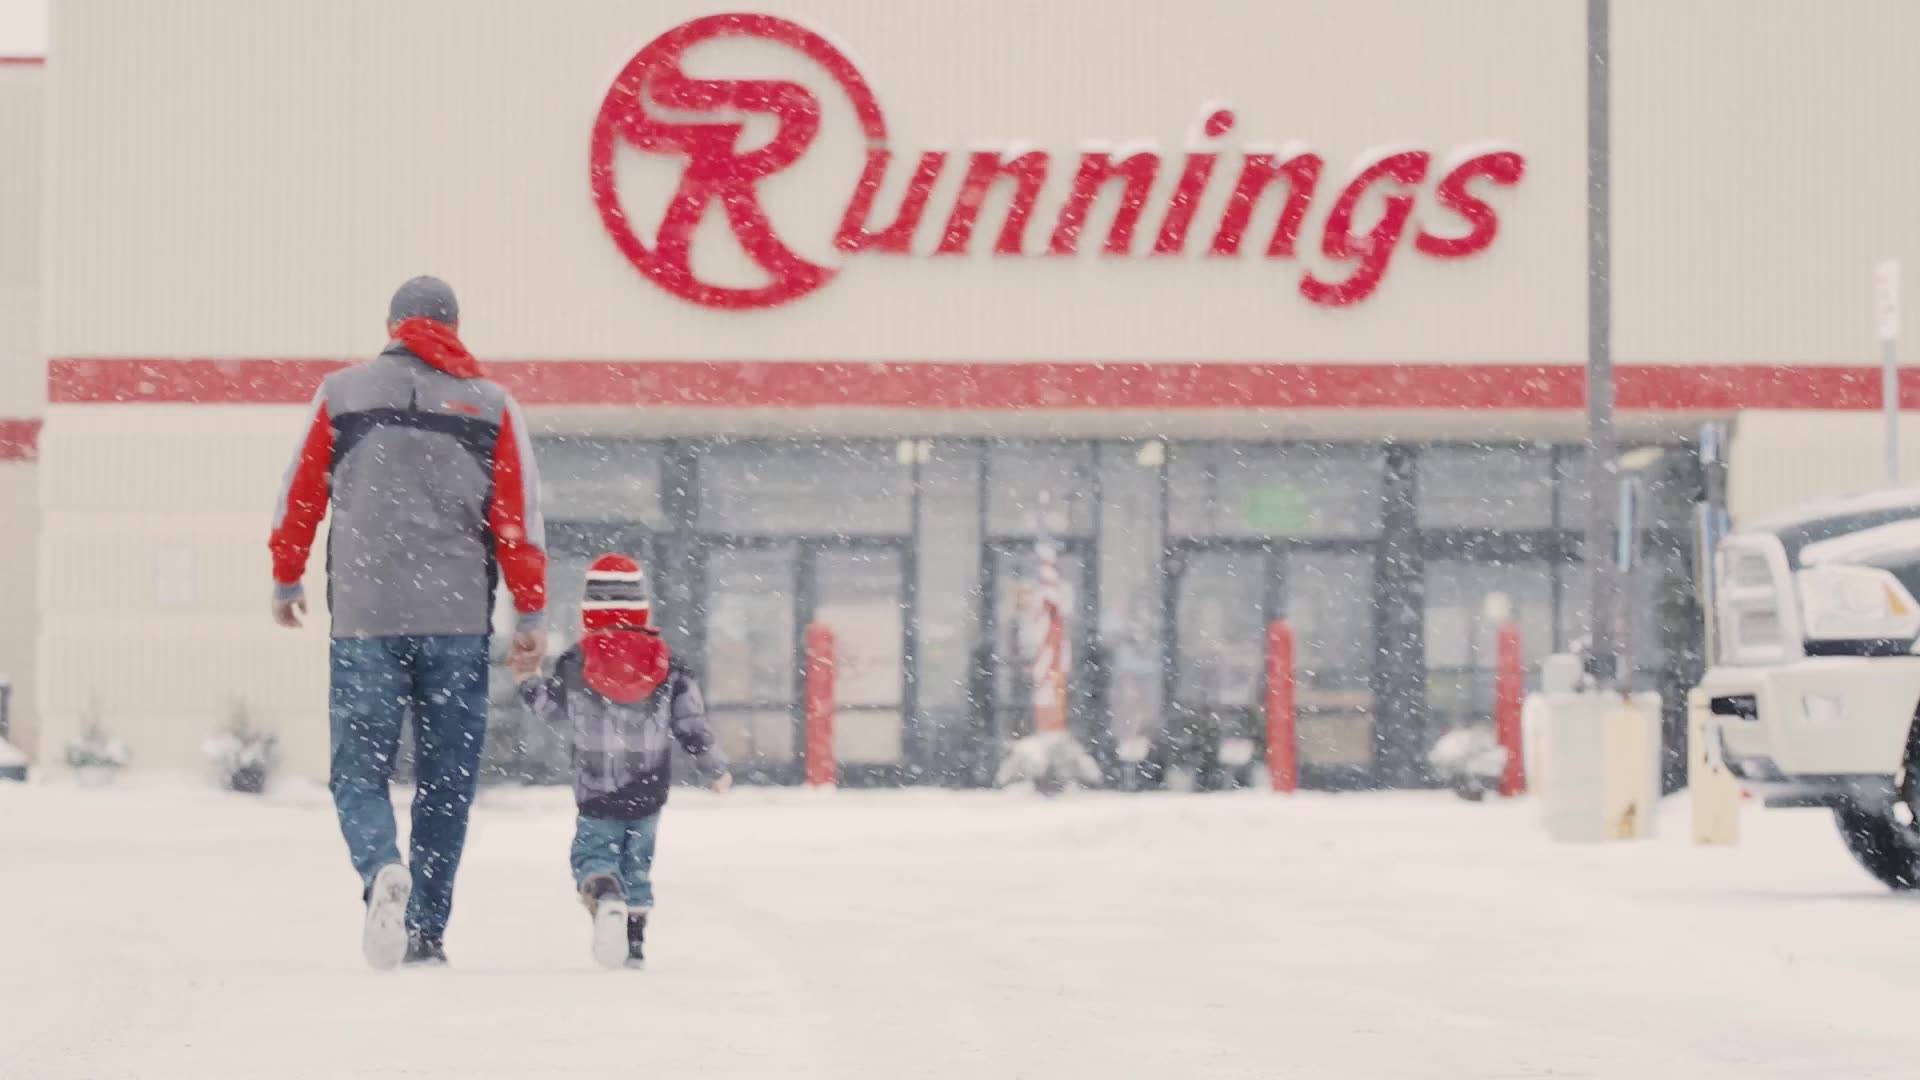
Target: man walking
{"type": "Point", "coordinates": [430, 475]}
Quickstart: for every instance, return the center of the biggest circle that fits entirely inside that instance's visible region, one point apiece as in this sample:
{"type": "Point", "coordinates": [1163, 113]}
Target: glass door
{"type": "Point", "coordinates": [1220, 627]}
{"type": "Point", "coordinates": [1225, 595]}
{"type": "Point", "coordinates": [1223, 598]}
{"type": "Point", "coordinates": [1327, 597]}
{"type": "Point", "coordinates": [753, 656]}
{"type": "Point", "coordinates": [859, 592]}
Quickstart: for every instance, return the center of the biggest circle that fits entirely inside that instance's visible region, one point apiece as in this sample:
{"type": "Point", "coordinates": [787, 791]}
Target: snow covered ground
{"type": "Point", "coordinates": [158, 930]}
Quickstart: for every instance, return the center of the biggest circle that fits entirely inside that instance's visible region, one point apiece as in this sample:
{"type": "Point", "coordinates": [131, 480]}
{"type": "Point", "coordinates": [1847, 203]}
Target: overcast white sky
{"type": "Point", "coordinates": [23, 27]}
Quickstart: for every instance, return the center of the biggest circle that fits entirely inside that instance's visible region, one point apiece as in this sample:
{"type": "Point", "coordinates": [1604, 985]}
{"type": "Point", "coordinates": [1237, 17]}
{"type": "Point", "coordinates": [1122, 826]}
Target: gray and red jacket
{"type": "Point", "coordinates": [435, 497]}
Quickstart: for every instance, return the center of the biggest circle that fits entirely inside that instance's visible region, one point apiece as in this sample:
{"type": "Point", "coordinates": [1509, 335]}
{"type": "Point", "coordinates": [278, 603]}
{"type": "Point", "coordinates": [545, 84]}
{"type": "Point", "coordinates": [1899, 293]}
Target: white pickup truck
{"type": "Point", "coordinates": [1814, 688]}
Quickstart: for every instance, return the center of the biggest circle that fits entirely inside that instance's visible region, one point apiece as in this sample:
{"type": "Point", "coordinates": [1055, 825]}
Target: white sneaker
{"type": "Point", "coordinates": [610, 932]}
{"type": "Point", "coordinates": [383, 940]}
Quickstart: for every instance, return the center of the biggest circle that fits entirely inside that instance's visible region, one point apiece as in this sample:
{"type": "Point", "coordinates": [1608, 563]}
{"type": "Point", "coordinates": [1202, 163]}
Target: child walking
{"type": "Point", "coordinates": [626, 698]}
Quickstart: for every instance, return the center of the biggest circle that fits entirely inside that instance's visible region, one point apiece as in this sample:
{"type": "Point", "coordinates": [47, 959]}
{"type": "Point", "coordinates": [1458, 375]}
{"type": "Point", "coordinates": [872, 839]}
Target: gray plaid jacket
{"type": "Point", "coordinates": [622, 753]}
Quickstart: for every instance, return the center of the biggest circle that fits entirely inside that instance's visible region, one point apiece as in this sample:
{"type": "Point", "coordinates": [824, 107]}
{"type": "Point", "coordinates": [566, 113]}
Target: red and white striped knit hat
{"type": "Point", "coordinates": [617, 595]}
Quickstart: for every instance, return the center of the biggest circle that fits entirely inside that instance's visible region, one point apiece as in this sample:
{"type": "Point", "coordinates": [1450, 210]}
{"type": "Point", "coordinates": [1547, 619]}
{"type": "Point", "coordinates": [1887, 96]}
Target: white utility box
{"type": "Point", "coordinates": [1599, 758]}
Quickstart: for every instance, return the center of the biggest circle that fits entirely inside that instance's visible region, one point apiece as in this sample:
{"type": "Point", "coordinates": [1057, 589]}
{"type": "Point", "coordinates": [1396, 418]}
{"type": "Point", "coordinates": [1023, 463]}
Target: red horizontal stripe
{"type": "Point", "coordinates": [24, 61]}
{"type": "Point", "coordinates": [1037, 385]}
{"type": "Point", "coordinates": [19, 440]}
{"type": "Point", "coordinates": [236, 382]}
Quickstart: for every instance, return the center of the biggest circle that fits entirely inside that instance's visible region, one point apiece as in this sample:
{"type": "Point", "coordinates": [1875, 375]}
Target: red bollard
{"type": "Point", "coordinates": [1509, 693]}
{"type": "Point", "coordinates": [822, 769]}
{"type": "Point", "coordinates": [1283, 749]}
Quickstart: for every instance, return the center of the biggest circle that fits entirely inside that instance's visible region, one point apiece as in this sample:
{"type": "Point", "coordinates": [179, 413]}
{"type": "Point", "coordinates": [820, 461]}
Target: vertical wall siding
{"type": "Point", "coordinates": [1763, 161]}
{"type": "Point", "coordinates": [1781, 458]}
{"type": "Point", "coordinates": [22, 101]}
{"type": "Point", "coordinates": [19, 543]}
{"type": "Point", "coordinates": [22, 379]}
{"type": "Point", "coordinates": [155, 580]}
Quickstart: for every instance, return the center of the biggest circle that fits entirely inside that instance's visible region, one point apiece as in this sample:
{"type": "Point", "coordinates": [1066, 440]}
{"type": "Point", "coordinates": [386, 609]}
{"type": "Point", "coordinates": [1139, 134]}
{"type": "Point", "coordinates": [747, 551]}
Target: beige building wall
{"type": "Point", "coordinates": [1762, 168]}
{"type": "Point", "coordinates": [155, 583]}
{"type": "Point", "coordinates": [282, 191]}
{"type": "Point", "coordinates": [1762, 165]}
{"type": "Point", "coordinates": [19, 623]}
{"type": "Point", "coordinates": [1782, 457]}
{"type": "Point", "coordinates": [22, 381]}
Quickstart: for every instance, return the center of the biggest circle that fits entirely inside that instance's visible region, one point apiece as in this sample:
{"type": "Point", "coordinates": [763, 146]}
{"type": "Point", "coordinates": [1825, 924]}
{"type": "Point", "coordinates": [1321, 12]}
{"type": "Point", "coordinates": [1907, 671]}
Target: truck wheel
{"type": "Point", "coordinates": [1880, 842]}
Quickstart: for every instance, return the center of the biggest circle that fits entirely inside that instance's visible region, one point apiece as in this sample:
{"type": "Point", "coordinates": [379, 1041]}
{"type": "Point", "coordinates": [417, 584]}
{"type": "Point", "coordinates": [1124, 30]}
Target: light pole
{"type": "Point", "coordinates": [1603, 476]}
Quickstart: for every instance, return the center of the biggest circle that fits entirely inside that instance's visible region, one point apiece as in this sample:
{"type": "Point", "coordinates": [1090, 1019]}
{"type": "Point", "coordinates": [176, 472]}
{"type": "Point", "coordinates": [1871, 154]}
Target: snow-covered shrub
{"type": "Point", "coordinates": [97, 756]}
{"type": "Point", "coordinates": [1470, 760]}
{"type": "Point", "coordinates": [242, 756]}
{"type": "Point", "coordinates": [1051, 762]}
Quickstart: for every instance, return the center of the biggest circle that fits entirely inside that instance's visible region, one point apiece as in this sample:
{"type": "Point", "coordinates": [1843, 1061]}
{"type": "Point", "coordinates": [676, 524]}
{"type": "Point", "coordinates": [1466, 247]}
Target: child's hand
{"type": "Point", "coordinates": [722, 783]}
{"type": "Point", "coordinates": [523, 666]}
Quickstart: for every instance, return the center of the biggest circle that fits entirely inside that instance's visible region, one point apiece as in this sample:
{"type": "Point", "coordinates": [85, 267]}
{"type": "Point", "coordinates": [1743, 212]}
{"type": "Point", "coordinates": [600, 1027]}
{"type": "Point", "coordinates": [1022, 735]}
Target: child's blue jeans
{"type": "Point", "coordinates": [620, 849]}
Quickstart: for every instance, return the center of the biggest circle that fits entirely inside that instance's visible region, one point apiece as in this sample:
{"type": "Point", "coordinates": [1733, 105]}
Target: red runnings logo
{"type": "Point", "coordinates": [653, 85]}
{"type": "Point", "coordinates": [716, 169]}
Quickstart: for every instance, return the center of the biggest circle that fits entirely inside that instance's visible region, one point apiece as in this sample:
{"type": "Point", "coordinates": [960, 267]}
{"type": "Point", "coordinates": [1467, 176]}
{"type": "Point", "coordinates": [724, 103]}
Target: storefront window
{"type": "Point", "coordinates": [600, 480]}
{"type": "Point", "coordinates": [1286, 490]}
{"type": "Point", "coordinates": [1040, 488]}
{"type": "Point", "coordinates": [1669, 482]}
{"type": "Point", "coordinates": [805, 489]}
{"type": "Point", "coordinates": [1467, 603]}
{"type": "Point", "coordinates": [1222, 621]}
{"type": "Point", "coordinates": [1485, 487]}
{"type": "Point", "coordinates": [1657, 599]}
{"type": "Point", "coordinates": [1329, 602]}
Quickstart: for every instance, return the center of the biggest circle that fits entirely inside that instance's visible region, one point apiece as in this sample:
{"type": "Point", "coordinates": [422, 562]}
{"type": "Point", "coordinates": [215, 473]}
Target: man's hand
{"type": "Point", "coordinates": [722, 783]}
{"type": "Point", "coordinates": [288, 607]}
{"type": "Point", "coordinates": [529, 648]}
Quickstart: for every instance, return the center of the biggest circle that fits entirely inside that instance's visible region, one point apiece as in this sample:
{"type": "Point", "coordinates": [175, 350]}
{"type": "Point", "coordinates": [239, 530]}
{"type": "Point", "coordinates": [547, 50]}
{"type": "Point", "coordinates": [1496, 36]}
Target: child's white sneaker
{"type": "Point", "coordinates": [607, 901]}
{"type": "Point", "coordinates": [383, 938]}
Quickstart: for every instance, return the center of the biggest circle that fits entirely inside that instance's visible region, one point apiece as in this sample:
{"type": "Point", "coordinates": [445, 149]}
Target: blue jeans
{"type": "Point", "coordinates": [441, 681]}
{"type": "Point", "coordinates": [620, 849]}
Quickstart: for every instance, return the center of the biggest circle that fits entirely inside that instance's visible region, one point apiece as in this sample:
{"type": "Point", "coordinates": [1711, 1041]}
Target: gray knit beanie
{"type": "Point", "coordinates": [424, 298]}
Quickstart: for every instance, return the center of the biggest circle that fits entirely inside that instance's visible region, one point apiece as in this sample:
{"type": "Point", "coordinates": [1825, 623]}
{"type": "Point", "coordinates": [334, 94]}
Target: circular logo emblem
{"type": "Point", "coordinates": [715, 168]}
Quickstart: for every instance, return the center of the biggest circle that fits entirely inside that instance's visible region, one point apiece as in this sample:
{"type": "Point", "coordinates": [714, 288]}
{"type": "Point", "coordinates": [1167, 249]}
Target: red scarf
{"type": "Point", "coordinates": [436, 344]}
{"type": "Point", "coordinates": [623, 665]}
